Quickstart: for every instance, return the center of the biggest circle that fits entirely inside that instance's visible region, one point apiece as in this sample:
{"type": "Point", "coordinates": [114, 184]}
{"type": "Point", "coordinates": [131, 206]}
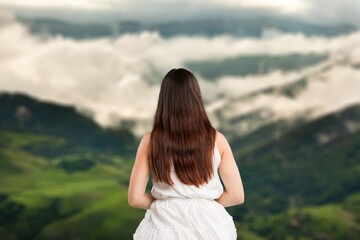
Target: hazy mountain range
{"type": "Point", "coordinates": [246, 26]}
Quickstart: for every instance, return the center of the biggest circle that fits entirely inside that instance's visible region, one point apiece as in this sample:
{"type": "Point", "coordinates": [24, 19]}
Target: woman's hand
{"type": "Point", "coordinates": [142, 202]}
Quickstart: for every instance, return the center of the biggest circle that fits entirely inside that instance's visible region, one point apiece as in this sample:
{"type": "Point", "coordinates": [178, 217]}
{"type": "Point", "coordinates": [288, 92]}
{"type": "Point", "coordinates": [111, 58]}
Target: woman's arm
{"type": "Point", "coordinates": [137, 196]}
{"type": "Point", "coordinates": [230, 175]}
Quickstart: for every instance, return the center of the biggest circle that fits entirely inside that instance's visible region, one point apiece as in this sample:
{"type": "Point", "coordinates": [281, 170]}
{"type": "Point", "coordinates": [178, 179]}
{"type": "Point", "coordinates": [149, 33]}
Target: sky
{"type": "Point", "coordinates": [319, 11]}
{"type": "Point", "coordinates": [281, 5]}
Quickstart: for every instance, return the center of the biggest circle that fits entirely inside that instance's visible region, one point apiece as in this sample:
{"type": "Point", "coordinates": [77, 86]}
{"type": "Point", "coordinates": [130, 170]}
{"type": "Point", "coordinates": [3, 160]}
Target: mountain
{"type": "Point", "coordinates": [61, 174]}
{"type": "Point", "coordinates": [240, 26]}
{"type": "Point", "coordinates": [301, 179]}
{"type": "Point", "coordinates": [262, 64]}
{"type": "Point", "coordinates": [75, 194]}
{"type": "Point", "coordinates": [330, 143]}
{"type": "Point", "coordinates": [23, 112]}
{"type": "Point", "coordinates": [298, 178]}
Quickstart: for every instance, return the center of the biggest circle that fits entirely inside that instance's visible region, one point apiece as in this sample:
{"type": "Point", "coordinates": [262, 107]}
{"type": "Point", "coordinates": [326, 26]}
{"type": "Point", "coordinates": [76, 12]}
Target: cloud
{"type": "Point", "coordinates": [78, 4]}
{"type": "Point", "coordinates": [282, 6]}
{"type": "Point", "coordinates": [333, 11]}
{"type": "Point", "coordinates": [321, 11]}
{"type": "Point", "coordinates": [119, 78]}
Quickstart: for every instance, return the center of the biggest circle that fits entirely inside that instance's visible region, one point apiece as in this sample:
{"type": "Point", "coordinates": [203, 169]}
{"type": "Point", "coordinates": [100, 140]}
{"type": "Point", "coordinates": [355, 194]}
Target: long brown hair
{"type": "Point", "coordinates": [182, 135]}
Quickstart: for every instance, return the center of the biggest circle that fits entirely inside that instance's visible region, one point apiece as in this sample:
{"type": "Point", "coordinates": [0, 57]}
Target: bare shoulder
{"type": "Point", "coordinates": [221, 142]}
{"type": "Point", "coordinates": [147, 136]}
{"type": "Point", "coordinates": [219, 136]}
{"type": "Point", "coordinates": [145, 141]}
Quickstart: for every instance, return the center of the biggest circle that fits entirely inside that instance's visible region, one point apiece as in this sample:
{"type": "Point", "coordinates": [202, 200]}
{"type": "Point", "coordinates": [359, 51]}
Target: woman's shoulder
{"type": "Point", "coordinates": [219, 135]}
{"type": "Point", "coordinates": [221, 141]}
{"type": "Point", "coordinates": [147, 135]}
{"type": "Point", "coordinates": [145, 140]}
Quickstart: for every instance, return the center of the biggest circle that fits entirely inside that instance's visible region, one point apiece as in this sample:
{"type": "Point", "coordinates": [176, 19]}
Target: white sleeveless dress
{"type": "Point", "coordinates": [185, 212]}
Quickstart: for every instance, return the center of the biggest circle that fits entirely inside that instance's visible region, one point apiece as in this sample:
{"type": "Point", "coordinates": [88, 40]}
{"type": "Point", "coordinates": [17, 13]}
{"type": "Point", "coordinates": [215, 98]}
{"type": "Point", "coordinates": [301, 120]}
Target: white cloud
{"type": "Point", "coordinates": [332, 90]}
{"type": "Point", "coordinates": [333, 11]}
{"type": "Point", "coordinates": [287, 6]}
{"type": "Point", "coordinates": [77, 4]}
{"type": "Point", "coordinates": [280, 5]}
{"type": "Point", "coordinates": [283, 6]}
{"type": "Point", "coordinates": [326, 92]}
{"type": "Point", "coordinates": [120, 77]}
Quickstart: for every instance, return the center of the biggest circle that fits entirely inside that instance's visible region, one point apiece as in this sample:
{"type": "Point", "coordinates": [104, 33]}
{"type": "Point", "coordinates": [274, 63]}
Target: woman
{"type": "Point", "coordinates": [184, 154]}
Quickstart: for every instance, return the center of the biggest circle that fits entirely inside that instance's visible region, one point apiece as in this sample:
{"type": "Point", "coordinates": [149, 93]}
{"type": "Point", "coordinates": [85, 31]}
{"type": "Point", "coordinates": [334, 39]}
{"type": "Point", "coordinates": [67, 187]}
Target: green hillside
{"type": "Point", "coordinates": [301, 180]}
{"type": "Point", "coordinates": [62, 197]}
{"type": "Point", "coordinates": [313, 170]}
{"type": "Point", "coordinates": [23, 112]}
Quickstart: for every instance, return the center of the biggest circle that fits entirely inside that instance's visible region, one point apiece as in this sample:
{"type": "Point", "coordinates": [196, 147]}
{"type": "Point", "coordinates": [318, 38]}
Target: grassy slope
{"type": "Point", "coordinates": [330, 221]}
{"type": "Point", "coordinates": [27, 113]}
{"type": "Point", "coordinates": [87, 203]}
{"type": "Point", "coordinates": [297, 171]}
{"type": "Point", "coordinates": [46, 201]}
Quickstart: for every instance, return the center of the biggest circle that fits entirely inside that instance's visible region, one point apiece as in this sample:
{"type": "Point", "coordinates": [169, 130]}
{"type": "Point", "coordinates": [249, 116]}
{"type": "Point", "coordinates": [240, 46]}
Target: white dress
{"type": "Point", "coordinates": [185, 212]}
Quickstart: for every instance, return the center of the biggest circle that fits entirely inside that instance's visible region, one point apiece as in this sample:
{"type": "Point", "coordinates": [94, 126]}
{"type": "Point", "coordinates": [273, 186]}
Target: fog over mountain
{"type": "Point", "coordinates": [116, 79]}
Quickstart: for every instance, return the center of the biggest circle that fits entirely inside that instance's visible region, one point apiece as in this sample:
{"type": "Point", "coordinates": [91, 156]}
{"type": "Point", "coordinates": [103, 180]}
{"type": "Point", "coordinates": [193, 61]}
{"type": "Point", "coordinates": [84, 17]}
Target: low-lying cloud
{"type": "Point", "coordinates": [119, 78]}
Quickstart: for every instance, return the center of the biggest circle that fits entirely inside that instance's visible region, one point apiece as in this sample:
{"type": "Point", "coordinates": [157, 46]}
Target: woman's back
{"type": "Point", "coordinates": [188, 212]}
{"type": "Point", "coordinates": [212, 190]}
{"type": "Point", "coordinates": [188, 203]}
